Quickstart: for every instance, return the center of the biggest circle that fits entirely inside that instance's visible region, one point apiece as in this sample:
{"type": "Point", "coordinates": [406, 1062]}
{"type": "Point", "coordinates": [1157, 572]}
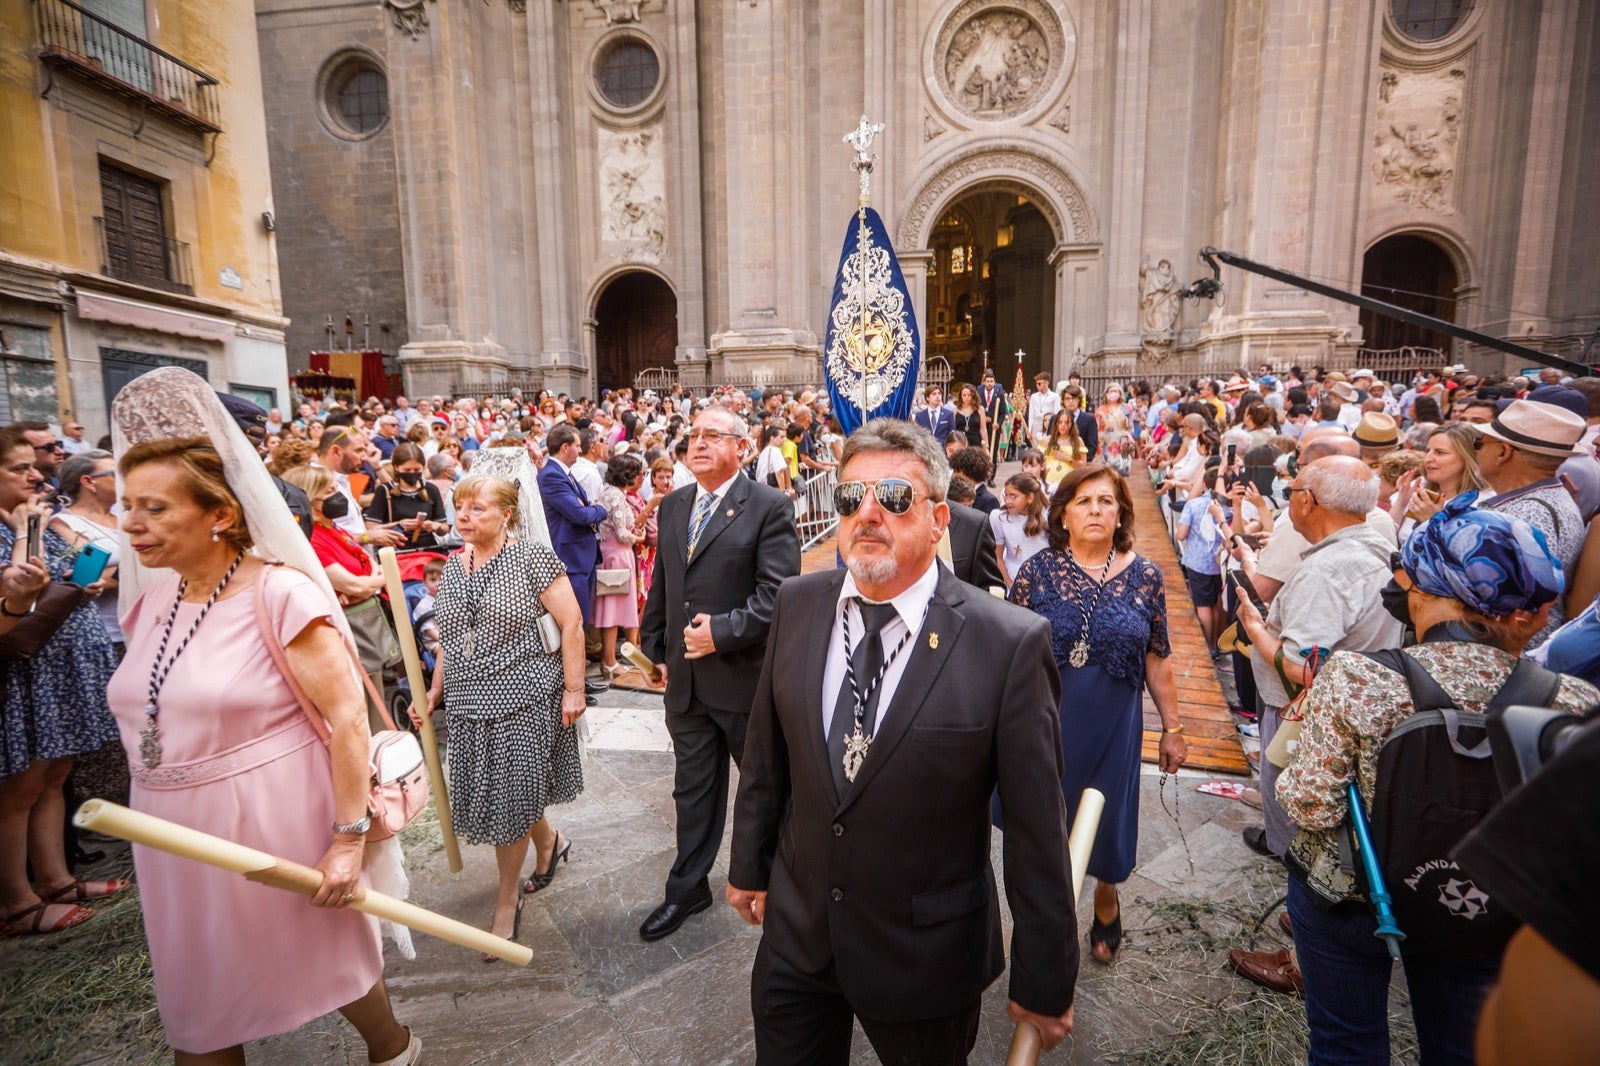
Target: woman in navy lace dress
{"type": "Point", "coordinates": [1107, 610]}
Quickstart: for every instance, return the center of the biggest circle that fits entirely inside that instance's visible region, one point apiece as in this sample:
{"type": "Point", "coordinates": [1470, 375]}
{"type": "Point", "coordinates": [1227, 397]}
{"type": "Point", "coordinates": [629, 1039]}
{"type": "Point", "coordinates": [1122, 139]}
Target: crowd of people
{"type": "Point", "coordinates": [1324, 520]}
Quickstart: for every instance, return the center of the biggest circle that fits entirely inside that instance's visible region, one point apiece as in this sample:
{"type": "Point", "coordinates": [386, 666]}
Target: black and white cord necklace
{"type": "Point", "coordinates": [1086, 605]}
{"type": "Point", "coordinates": [857, 741]}
{"type": "Point", "coordinates": [150, 735]}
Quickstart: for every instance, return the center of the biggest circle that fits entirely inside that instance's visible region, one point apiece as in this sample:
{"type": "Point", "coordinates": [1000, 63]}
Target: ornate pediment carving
{"type": "Point", "coordinates": [1416, 136]}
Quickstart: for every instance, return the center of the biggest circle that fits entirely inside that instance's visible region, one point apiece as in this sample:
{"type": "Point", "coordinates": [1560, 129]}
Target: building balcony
{"type": "Point", "coordinates": [78, 42]}
{"type": "Point", "coordinates": [160, 263]}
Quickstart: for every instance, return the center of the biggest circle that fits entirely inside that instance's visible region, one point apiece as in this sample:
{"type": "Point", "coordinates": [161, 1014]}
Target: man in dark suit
{"type": "Point", "coordinates": [880, 729]}
{"type": "Point", "coordinates": [935, 417]}
{"type": "Point", "coordinates": [972, 555]}
{"type": "Point", "coordinates": [571, 516]}
{"type": "Point", "coordinates": [724, 544]}
{"type": "Point", "coordinates": [996, 409]}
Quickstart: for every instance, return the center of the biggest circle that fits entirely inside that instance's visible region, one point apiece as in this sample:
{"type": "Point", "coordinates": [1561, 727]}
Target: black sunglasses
{"type": "Point", "coordinates": [895, 495]}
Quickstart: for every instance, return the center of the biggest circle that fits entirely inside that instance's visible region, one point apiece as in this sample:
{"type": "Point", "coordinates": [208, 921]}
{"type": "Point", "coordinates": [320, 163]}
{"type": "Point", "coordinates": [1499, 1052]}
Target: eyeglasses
{"type": "Point", "coordinates": [895, 495]}
{"type": "Point", "coordinates": [49, 446]}
{"type": "Point", "coordinates": [710, 436]}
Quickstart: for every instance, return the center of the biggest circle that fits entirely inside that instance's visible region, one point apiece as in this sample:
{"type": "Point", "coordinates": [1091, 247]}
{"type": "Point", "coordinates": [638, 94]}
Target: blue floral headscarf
{"type": "Point", "coordinates": [1491, 562]}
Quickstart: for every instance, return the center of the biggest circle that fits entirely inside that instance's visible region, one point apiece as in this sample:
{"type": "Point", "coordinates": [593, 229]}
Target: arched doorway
{"type": "Point", "coordinates": [636, 327]}
{"type": "Point", "coordinates": [991, 289]}
{"type": "Point", "coordinates": [1414, 272]}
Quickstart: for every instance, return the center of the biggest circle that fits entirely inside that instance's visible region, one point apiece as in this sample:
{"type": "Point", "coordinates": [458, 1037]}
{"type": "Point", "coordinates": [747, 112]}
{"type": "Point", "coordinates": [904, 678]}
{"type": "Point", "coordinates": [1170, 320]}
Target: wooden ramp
{"type": "Point", "coordinates": [1208, 725]}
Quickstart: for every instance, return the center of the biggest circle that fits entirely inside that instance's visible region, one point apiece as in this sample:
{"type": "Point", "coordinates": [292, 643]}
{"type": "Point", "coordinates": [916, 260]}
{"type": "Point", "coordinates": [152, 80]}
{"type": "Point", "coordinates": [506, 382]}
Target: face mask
{"type": "Point", "coordinates": [410, 481]}
{"type": "Point", "coordinates": [335, 507]}
{"type": "Point", "coordinates": [455, 475]}
{"type": "Point", "coordinates": [1396, 602]}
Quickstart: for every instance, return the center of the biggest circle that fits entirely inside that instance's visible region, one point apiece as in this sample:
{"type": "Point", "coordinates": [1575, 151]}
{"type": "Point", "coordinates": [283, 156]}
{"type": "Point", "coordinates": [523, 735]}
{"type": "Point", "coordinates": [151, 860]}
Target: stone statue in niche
{"type": "Point", "coordinates": [1158, 298]}
{"type": "Point", "coordinates": [1418, 128]}
{"type": "Point", "coordinates": [997, 63]}
{"type": "Point", "coordinates": [633, 194]}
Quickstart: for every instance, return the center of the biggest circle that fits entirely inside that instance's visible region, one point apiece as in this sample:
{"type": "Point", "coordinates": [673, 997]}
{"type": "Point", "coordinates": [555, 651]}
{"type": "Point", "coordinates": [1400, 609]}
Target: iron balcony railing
{"type": "Point", "coordinates": [127, 256]}
{"type": "Point", "coordinates": [104, 53]}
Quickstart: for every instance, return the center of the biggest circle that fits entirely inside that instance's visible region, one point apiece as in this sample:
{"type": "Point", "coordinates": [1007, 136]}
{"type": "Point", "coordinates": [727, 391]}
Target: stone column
{"type": "Point", "coordinates": [1077, 314]}
{"type": "Point", "coordinates": [764, 115]}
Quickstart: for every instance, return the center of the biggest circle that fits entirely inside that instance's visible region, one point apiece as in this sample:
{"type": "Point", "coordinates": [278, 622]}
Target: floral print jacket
{"type": "Point", "coordinates": [1352, 706]}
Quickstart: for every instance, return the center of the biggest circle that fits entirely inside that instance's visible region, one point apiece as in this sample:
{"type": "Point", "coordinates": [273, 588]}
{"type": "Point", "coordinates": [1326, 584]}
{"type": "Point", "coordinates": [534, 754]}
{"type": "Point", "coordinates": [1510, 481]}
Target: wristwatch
{"type": "Point", "coordinates": [357, 828]}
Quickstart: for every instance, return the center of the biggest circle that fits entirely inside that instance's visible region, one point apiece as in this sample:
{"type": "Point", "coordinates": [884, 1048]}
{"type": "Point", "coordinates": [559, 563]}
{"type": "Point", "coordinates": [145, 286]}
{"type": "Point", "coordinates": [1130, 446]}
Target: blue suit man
{"type": "Point", "coordinates": [936, 417]}
{"type": "Point", "coordinates": [571, 516]}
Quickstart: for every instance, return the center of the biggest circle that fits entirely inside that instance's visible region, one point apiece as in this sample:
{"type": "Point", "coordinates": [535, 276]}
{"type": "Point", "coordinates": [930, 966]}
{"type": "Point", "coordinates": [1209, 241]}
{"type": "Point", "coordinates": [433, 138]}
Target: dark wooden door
{"type": "Point", "coordinates": [636, 328]}
{"type": "Point", "coordinates": [135, 224]}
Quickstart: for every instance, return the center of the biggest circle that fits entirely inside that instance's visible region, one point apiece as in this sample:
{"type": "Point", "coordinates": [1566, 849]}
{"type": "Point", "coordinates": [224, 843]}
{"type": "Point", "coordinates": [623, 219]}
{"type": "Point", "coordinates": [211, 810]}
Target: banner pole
{"type": "Point", "coordinates": [419, 698]}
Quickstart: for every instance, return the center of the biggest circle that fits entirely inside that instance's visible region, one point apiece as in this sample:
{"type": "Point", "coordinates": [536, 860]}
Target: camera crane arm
{"type": "Point", "coordinates": [1208, 287]}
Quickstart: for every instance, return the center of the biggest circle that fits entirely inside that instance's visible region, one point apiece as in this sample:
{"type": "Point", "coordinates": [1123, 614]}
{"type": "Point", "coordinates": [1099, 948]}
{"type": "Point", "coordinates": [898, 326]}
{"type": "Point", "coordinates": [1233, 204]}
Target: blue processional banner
{"type": "Point", "coordinates": [873, 351]}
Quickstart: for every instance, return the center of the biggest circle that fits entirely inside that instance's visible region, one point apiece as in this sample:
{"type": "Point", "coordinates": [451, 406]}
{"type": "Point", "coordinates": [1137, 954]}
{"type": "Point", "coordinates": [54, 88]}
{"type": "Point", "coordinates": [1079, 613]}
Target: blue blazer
{"type": "Point", "coordinates": [938, 422]}
{"type": "Point", "coordinates": [571, 520]}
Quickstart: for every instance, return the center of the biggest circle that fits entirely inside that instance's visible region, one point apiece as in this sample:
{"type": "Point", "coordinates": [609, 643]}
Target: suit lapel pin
{"type": "Point", "coordinates": [933, 642]}
{"type": "Point", "coordinates": [730, 512]}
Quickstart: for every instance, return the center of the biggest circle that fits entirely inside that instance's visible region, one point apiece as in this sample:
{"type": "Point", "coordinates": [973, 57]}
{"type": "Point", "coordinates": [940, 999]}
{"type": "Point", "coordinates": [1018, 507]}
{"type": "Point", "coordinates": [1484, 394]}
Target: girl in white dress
{"type": "Point", "coordinates": [1019, 524]}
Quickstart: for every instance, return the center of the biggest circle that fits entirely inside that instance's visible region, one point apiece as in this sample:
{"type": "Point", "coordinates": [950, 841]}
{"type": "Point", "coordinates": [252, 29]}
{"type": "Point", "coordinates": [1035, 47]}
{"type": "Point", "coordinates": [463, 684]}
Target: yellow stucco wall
{"type": "Point", "coordinates": [50, 187]}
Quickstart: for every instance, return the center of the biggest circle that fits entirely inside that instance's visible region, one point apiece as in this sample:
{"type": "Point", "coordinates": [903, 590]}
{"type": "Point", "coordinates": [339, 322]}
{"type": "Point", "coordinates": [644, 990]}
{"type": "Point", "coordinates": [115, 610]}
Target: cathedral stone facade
{"type": "Point", "coordinates": [569, 192]}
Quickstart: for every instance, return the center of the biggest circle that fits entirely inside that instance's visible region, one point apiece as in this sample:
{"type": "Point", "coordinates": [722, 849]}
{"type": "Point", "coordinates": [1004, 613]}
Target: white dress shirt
{"type": "Point", "coordinates": [1042, 406]}
{"type": "Point", "coordinates": [587, 474]}
{"type": "Point", "coordinates": [911, 608]}
{"type": "Point", "coordinates": [717, 494]}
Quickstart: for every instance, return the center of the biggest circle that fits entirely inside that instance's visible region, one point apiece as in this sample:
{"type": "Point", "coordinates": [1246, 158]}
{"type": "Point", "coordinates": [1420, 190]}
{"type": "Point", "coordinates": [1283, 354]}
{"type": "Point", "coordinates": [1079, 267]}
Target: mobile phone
{"type": "Point", "coordinates": [35, 536]}
{"type": "Point", "coordinates": [91, 564]}
{"type": "Point", "coordinates": [1242, 583]}
{"type": "Point", "coordinates": [1233, 453]}
{"type": "Point", "coordinates": [1172, 497]}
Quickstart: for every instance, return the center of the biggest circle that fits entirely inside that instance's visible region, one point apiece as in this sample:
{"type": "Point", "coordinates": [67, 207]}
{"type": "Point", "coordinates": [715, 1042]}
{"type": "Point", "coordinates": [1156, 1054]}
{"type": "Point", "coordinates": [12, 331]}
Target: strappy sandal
{"type": "Point", "coordinates": [516, 928]}
{"type": "Point", "coordinates": [558, 853]}
{"type": "Point", "coordinates": [16, 925]}
{"type": "Point", "coordinates": [1107, 933]}
{"type": "Point", "coordinates": [84, 891]}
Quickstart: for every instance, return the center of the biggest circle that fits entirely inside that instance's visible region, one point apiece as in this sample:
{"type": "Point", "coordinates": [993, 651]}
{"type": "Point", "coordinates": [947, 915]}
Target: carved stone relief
{"type": "Point", "coordinates": [1011, 169]}
{"type": "Point", "coordinates": [620, 10]}
{"type": "Point", "coordinates": [410, 17]}
{"type": "Point", "coordinates": [930, 128]}
{"type": "Point", "coordinates": [1417, 131]}
{"type": "Point", "coordinates": [1062, 119]}
{"type": "Point", "coordinates": [633, 194]}
{"type": "Point", "coordinates": [996, 58]}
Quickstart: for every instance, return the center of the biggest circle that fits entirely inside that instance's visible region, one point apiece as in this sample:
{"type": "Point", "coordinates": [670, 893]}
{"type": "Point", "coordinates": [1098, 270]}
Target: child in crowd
{"type": "Point", "coordinates": [1200, 532]}
{"type": "Point", "coordinates": [1019, 523]}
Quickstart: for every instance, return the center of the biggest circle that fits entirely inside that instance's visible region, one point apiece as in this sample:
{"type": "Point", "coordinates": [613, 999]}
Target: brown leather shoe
{"type": "Point", "coordinates": [1283, 923]}
{"type": "Point", "coordinates": [1271, 969]}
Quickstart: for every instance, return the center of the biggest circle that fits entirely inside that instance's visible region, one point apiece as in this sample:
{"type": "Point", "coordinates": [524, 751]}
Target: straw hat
{"type": "Point", "coordinates": [1541, 428]}
{"type": "Point", "coordinates": [1345, 391]}
{"type": "Point", "coordinates": [1377, 430]}
{"type": "Point", "coordinates": [1236, 384]}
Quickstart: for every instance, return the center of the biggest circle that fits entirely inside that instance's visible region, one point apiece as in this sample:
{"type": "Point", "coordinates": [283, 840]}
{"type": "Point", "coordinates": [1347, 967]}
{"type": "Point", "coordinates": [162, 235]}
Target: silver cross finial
{"type": "Point", "coordinates": [861, 139]}
{"type": "Point", "coordinates": [862, 136]}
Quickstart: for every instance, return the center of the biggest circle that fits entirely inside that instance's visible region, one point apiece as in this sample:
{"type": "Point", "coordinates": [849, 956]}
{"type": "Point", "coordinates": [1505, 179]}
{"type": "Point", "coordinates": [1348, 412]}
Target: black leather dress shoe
{"type": "Point", "coordinates": [594, 688]}
{"type": "Point", "coordinates": [1255, 838]}
{"type": "Point", "coordinates": [665, 919]}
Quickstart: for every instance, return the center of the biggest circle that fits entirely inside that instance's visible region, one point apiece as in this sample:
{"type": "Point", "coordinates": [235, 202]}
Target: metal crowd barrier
{"type": "Point", "coordinates": [814, 514]}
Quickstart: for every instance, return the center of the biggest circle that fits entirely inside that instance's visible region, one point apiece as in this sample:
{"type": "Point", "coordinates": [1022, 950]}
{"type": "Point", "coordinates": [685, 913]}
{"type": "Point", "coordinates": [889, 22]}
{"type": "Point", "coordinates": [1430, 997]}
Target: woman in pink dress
{"type": "Point", "coordinates": [216, 740]}
{"type": "Point", "coordinates": [624, 474]}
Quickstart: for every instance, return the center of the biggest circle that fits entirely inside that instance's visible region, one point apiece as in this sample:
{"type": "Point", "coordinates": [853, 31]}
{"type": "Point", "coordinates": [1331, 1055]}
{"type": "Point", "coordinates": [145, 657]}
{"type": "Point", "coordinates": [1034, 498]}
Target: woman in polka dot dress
{"type": "Point", "coordinates": [510, 707]}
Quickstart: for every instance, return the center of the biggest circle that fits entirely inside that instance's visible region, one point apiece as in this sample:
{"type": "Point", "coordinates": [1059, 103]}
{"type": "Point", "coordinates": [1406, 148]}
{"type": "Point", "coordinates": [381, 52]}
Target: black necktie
{"type": "Point", "coordinates": [867, 658]}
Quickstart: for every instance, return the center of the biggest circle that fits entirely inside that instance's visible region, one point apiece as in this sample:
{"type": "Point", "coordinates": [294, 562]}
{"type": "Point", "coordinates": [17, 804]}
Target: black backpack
{"type": "Point", "coordinates": [1436, 781]}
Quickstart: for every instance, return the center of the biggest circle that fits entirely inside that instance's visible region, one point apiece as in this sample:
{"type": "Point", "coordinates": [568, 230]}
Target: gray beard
{"type": "Point", "coordinates": [877, 570]}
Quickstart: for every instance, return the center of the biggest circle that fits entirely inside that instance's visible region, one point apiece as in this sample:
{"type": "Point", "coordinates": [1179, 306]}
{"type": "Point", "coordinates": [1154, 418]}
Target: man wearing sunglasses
{"type": "Point", "coordinates": [724, 544]}
{"type": "Point", "coordinates": [894, 701]}
{"type": "Point", "coordinates": [48, 454]}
